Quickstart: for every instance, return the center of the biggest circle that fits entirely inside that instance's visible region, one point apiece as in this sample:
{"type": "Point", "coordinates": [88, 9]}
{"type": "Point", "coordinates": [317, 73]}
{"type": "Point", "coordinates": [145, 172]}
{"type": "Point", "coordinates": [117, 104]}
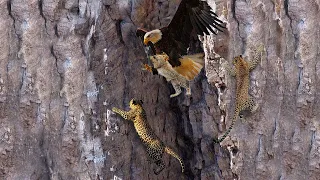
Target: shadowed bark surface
{"type": "Point", "coordinates": [65, 64]}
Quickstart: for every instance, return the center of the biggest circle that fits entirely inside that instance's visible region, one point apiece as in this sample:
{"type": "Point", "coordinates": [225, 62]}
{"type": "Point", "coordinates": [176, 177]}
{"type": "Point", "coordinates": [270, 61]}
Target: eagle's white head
{"type": "Point", "coordinates": [154, 36]}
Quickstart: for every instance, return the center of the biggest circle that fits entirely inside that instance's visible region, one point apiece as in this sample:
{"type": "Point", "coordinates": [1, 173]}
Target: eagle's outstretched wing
{"type": "Point", "coordinates": [192, 16]}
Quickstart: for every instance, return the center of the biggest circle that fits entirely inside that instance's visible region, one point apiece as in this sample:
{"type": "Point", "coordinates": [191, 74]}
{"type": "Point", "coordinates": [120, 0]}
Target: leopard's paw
{"type": "Point", "coordinates": [188, 92]}
{"type": "Point", "coordinates": [114, 109]}
{"type": "Point", "coordinates": [174, 95]}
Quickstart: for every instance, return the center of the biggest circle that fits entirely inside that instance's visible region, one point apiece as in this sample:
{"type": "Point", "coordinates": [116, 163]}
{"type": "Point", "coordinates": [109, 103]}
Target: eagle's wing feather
{"type": "Point", "coordinates": [192, 16]}
{"type": "Point", "coordinates": [203, 21]}
{"type": "Point", "coordinates": [196, 26]}
{"type": "Point", "coordinates": [215, 22]}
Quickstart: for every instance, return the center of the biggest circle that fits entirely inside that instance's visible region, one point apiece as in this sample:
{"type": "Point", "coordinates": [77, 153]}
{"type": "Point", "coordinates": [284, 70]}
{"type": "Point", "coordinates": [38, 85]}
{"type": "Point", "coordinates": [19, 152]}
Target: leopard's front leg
{"type": "Point", "coordinates": [176, 88]}
{"type": "Point", "coordinates": [125, 114]}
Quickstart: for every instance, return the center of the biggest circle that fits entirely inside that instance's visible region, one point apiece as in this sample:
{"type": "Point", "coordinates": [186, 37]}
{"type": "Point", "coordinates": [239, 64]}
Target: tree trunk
{"type": "Point", "coordinates": [65, 64]}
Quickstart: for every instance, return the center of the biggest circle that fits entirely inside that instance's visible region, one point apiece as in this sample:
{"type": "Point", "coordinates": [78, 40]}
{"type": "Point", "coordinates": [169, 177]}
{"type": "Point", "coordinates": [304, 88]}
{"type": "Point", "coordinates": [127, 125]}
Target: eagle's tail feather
{"type": "Point", "coordinates": [191, 65]}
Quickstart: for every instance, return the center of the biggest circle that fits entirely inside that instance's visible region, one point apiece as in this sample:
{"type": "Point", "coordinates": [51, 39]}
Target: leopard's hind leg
{"type": "Point", "coordinates": [155, 154]}
{"type": "Point", "coordinates": [176, 87]}
{"type": "Point", "coordinates": [188, 91]}
{"type": "Point", "coordinates": [249, 107]}
{"type": "Point", "coordinates": [160, 167]}
{"type": "Point", "coordinates": [186, 85]}
{"type": "Point", "coordinates": [182, 82]}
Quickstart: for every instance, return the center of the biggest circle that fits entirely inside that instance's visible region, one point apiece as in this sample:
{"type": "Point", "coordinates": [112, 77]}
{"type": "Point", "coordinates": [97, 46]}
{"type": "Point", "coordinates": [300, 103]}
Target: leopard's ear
{"type": "Point", "coordinates": [166, 58]}
{"type": "Point", "coordinates": [134, 102]}
{"type": "Point", "coordinates": [241, 56]}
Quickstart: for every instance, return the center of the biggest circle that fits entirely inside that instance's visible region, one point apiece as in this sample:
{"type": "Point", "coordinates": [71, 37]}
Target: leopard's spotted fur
{"type": "Point", "coordinates": [244, 101]}
{"type": "Point", "coordinates": [155, 147]}
{"type": "Point", "coordinates": [164, 68]}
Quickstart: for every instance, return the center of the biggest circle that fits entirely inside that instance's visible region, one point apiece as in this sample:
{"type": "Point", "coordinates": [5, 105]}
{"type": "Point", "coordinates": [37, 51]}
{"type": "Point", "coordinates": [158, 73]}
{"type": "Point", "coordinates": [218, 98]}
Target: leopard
{"type": "Point", "coordinates": [154, 146]}
{"type": "Point", "coordinates": [190, 66]}
{"type": "Point", "coordinates": [244, 101]}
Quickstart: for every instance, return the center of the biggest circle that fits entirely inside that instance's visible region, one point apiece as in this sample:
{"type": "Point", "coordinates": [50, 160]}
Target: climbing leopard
{"type": "Point", "coordinates": [241, 71]}
{"type": "Point", "coordinates": [178, 76]}
{"type": "Point", "coordinates": [155, 147]}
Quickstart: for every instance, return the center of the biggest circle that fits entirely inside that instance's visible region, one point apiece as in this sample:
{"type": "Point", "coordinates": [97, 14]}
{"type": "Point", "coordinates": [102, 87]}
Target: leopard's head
{"type": "Point", "coordinates": [135, 104]}
{"type": "Point", "coordinates": [237, 60]}
{"type": "Point", "coordinates": [159, 58]}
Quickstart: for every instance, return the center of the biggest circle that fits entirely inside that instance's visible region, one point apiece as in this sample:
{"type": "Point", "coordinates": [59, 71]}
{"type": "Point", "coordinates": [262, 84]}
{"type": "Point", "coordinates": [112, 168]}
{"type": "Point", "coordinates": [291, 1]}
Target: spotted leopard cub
{"type": "Point", "coordinates": [155, 147]}
{"type": "Point", "coordinates": [241, 71]}
{"type": "Point", "coordinates": [178, 76]}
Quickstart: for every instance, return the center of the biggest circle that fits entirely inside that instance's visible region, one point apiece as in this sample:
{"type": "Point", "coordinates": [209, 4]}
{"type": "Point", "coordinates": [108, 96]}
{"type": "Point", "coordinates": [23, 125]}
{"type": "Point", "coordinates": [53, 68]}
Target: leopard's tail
{"type": "Point", "coordinates": [219, 140]}
{"type": "Point", "coordinates": [172, 153]}
{"type": "Point", "coordinates": [191, 65]}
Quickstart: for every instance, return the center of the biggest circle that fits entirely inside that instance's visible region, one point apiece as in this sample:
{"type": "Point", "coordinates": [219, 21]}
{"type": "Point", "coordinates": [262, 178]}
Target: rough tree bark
{"type": "Point", "coordinates": [65, 63]}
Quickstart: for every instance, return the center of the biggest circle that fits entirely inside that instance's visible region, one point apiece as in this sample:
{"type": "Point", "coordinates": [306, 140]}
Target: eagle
{"type": "Point", "coordinates": [192, 17]}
